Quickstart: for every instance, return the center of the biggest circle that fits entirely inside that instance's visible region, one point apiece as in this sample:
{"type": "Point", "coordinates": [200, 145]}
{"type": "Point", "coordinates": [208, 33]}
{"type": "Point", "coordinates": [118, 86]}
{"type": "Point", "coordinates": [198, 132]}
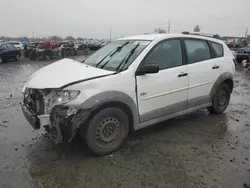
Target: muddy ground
{"type": "Point", "coordinates": [196, 150]}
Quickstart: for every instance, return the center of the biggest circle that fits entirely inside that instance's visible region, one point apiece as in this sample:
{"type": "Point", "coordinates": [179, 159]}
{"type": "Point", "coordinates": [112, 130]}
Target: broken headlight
{"type": "Point", "coordinates": [58, 98]}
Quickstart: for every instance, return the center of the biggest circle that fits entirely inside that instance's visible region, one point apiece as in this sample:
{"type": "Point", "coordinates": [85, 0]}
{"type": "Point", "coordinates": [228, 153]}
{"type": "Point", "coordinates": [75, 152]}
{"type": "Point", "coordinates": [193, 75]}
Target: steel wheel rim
{"type": "Point", "coordinates": [107, 131]}
{"type": "Point", "coordinates": [222, 99]}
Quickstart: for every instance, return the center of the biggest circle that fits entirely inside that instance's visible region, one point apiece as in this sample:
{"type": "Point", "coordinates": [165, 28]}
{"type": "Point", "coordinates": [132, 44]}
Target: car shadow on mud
{"type": "Point", "coordinates": [169, 144]}
{"type": "Point", "coordinates": [185, 129]}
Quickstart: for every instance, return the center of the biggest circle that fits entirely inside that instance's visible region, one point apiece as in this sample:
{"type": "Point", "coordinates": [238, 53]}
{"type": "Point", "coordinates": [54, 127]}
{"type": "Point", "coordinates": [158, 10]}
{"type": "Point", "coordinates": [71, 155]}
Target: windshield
{"type": "Point", "coordinates": [111, 58]}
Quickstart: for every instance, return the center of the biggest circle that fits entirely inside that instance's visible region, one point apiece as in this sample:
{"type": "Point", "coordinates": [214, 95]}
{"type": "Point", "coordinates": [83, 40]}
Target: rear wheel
{"type": "Point", "coordinates": [1, 60]}
{"type": "Point", "coordinates": [107, 131]}
{"type": "Point", "coordinates": [221, 99]}
{"type": "Point", "coordinates": [67, 53]}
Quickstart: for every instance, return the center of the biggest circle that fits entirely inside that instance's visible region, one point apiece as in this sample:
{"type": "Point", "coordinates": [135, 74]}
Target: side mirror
{"type": "Point", "coordinates": [150, 68]}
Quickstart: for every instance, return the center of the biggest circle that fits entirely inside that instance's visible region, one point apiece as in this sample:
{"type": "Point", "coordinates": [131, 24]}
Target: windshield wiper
{"type": "Point", "coordinates": [111, 54]}
{"type": "Point", "coordinates": [126, 58]}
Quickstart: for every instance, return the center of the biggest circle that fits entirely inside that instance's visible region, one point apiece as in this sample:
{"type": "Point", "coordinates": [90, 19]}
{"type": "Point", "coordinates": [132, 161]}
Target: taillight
{"type": "Point", "coordinates": [248, 58]}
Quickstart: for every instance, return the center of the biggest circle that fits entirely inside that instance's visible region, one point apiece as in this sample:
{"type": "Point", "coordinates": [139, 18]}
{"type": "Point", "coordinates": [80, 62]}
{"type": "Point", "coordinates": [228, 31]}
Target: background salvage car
{"type": "Point", "coordinates": [8, 52]}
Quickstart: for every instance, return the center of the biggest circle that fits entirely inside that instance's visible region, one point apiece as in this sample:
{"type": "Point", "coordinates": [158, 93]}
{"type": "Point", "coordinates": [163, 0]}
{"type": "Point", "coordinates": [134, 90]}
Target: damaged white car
{"type": "Point", "coordinates": [129, 84]}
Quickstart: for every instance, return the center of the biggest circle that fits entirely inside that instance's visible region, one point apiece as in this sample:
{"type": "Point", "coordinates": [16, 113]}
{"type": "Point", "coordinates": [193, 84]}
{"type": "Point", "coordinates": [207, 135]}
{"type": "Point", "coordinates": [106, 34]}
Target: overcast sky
{"type": "Point", "coordinates": [93, 18]}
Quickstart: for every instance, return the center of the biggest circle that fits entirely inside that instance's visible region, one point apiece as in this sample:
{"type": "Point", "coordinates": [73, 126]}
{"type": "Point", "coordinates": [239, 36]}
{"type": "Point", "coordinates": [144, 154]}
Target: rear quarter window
{"type": "Point", "coordinates": [218, 49]}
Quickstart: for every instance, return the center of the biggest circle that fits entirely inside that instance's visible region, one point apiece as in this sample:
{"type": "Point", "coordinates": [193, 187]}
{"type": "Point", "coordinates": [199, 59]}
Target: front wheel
{"type": "Point", "coordinates": [107, 131]}
{"type": "Point", "coordinates": [32, 55]}
{"type": "Point", "coordinates": [17, 58]}
{"type": "Point", "coordinates": [221, 99]}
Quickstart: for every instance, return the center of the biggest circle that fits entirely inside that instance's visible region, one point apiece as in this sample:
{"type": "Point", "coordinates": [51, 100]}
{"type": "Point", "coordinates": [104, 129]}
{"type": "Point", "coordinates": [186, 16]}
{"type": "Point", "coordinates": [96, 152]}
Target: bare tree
{"type": "Point", "coordinates": [24, 38]}
{"type": "Point", "coordinates": [55, 38]}
{"type": "Point", "coordinates": [160, 30]}
{"type": "Point", "coordinates": [69, 38]}
{"type": "Point", "coordinates": [197, 28]}
{"type": "Point", "coordinates": [79, 38]}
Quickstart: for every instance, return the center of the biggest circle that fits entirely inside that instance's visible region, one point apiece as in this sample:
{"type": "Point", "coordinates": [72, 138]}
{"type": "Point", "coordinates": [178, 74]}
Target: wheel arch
{"type": "Point", "coordinates": [230, 83]}
{"type": "Point", "coordinates": [113, 99]}
{"type": "Point", "coordinates": [227, 78]}
{"type": "Point", "coordinates": [117, 104]}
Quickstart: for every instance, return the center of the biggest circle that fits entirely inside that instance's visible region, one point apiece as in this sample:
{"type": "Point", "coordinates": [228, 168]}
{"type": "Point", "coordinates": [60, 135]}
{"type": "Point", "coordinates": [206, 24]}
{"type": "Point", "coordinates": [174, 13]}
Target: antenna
{"type": "Point", "coordinates": [169, 25]}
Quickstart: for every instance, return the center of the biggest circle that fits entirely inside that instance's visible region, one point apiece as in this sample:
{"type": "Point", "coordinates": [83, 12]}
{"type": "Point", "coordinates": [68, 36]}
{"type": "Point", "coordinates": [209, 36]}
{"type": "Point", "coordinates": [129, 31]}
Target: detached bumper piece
{"type": "Point", "coordinates": [37, 121]}
{"type": "Point", "coordinates": [67, 124]}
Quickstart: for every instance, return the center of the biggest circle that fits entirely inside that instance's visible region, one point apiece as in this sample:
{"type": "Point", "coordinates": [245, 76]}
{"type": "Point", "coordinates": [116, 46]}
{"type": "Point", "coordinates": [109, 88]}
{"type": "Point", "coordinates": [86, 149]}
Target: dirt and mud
{"type": "Point", "coordinates": [196, 150]}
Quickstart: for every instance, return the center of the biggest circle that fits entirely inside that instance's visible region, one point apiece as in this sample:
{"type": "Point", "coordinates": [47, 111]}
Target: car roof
{"type": "Point", "coordinates": [12, 42]}
{"type": "Point", "coordinates": [7, 43]}
{"type": "Point", "coordinates": [152, 37]}
{"type": "Point", "coordinates": [143, 37]}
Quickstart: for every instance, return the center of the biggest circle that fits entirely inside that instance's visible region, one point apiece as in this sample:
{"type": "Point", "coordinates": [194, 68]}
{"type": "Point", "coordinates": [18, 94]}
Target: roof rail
{"type": "Point", "coordinates": [202, 34]}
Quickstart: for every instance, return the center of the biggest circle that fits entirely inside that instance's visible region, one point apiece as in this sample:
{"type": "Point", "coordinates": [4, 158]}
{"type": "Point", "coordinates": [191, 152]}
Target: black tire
{"type": "Point", "coordinates": [221, 99]}
{"type": "Point", "coordinates": [63, 54]}
{"type": "Point", "coordinates": [32, 55]}
{"type": "Point", "coordinates": [106, 131]}
{"type": "Point", "coordinates": [17, 58]}
{"type": "Point", "coordinates": [1, 60]}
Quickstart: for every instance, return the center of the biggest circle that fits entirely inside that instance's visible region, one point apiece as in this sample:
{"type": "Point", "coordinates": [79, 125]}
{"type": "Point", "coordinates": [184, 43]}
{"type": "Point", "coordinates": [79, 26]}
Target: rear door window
{"type": "Point", "coordinates": [218, 48]}
{"type": "Point", "coordinates": [197, 50]}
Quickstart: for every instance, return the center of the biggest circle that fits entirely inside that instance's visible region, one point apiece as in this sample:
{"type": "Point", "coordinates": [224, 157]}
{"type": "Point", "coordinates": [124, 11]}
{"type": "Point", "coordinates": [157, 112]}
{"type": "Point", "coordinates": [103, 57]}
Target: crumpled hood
{"type": "Point", "coordinates": [63, 72]}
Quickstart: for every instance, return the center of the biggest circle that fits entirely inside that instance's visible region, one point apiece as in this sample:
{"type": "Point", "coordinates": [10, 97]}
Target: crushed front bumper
{"type": "Point", "coordinates": [60, 126]}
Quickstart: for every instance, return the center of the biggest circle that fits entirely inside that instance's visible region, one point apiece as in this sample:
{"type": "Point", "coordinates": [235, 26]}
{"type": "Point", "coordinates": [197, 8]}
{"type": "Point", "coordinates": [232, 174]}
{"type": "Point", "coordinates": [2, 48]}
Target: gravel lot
{"type": "Point", "coordinates": [196, 150]}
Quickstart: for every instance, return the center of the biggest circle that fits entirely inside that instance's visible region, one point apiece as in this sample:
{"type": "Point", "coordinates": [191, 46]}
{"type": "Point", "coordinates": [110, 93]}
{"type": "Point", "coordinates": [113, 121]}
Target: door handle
{"type": "Point", "coordinates": [215, 67]}
{"type": "Point", "coordinates": [182, 74]}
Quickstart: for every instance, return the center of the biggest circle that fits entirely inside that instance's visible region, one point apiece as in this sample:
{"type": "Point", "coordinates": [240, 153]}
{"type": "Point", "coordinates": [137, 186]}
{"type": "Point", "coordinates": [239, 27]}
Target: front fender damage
{"type": "Point", "coordinates": [65, 122]}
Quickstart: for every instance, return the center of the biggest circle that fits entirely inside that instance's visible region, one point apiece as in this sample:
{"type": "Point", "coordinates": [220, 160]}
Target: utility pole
{"type": "Point", "coordinates": [169, 25]}
{"type": "Point", "coordinates": [110, 33]}
{"type": "Point", "coordinates": [246, 33]}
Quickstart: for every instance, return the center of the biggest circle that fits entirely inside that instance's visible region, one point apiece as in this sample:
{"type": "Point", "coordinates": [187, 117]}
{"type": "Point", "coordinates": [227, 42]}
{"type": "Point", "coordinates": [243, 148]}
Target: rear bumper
{"type": "Point", "coordinates": [241, 57]}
